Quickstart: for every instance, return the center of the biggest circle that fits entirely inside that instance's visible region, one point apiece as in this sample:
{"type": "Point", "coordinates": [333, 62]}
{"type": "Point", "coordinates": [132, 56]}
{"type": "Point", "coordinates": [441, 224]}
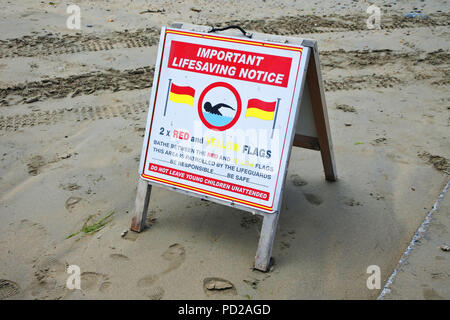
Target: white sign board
{"type": "Point", "coordinates": [222, 117]}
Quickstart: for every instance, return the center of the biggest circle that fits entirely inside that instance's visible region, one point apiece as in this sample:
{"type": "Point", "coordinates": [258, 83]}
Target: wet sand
{"type": "Point", "coordinates": [73, 107]}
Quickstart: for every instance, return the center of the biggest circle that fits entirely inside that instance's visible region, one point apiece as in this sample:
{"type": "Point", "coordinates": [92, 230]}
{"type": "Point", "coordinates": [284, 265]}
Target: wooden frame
{"type": "Point", "coordinates": [319, 108]}
{"type": "Point", "coordinates": [312, 132]}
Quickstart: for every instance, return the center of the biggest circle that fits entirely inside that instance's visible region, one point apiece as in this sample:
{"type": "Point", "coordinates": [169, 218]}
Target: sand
{"type": "Point", "coordinates": [424, 272]}
{"type": "Point", "coordinates": [73, 107]}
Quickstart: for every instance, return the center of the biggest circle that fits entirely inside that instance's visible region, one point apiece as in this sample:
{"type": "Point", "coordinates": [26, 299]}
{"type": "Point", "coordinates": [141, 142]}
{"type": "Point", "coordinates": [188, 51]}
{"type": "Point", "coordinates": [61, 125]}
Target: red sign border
{"type": "Point", "coordinates": [220, 38]}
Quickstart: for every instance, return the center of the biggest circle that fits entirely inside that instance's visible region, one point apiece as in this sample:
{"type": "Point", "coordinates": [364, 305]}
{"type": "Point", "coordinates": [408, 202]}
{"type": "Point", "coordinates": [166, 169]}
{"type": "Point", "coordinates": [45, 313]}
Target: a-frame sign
{"type": "Point", "coordinates": [225, 110]}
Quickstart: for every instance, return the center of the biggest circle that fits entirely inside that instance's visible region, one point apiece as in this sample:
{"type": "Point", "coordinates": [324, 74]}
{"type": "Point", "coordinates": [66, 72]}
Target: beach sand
{"type": "Point", "coordinates": [73, 107]}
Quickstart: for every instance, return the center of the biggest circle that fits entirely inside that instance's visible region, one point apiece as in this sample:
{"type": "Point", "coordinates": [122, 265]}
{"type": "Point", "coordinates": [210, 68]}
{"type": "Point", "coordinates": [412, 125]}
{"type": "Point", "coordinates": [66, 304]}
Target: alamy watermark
{"type": "Point", "coordinates": [374, 280]}
{"type": "Point", "coordinates": [73, 22]}
{"type": "Point", "coordinates": [374, 20]}
{"type": "Point", "coordinates": [74, 279]}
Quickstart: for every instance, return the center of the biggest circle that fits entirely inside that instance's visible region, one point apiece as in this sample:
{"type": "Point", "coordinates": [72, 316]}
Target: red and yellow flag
{"type": "Point", "coordinates": [182, 94]}
{"type": "Point", "coordinates": [260, 109]}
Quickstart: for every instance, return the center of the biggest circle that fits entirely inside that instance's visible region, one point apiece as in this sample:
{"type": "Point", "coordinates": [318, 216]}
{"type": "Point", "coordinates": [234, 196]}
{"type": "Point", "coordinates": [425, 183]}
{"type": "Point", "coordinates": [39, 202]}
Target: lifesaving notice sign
{"type": "Point", "coordinates": [221, 117]}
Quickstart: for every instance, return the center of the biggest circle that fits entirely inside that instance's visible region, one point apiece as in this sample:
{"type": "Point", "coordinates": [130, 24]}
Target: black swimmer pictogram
{"type": "Point", "coordinates": [219, 106]}
{"type": "Point", "coordinates": [215, 109]}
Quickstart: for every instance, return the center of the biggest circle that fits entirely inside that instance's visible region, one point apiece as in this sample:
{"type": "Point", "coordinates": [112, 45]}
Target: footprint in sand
{"type": "Point", "coordinates": [218, 287]}
{"type": "Point", "coordinates": [175, 255]}
{"type": "Point", "coordinates": [124, 149]}
{"type": "Point", "coordinates": [156, 293]}
{"type": "Point", "coordinates": [69, 186]}
{"type": "Point", "coordinates": [285, 245]}
{"type": "Point", "coordinates": [131, 236]}
{"type": "Point", "coordinates": [146, 284]}
{"type": "Point", "coordinates": [48, 274]}
{"type": "Point", "coordinates": [430, 294]}
{"type": "Point", "coordinates": [71, 203]}
{"type": "Point", "coordinates": [147, 281]}
{"type": "Point", "coordinates": [8, 289]}
{"type": "Point", "coordinates": [119, 257]}
{"type": "Point", "coordinates": [105, 286]}
{"type": "Point", "coordinates": [49, 278]}
{"type": "Point", "coordinates": [313, 199]}
{"type": "Point", "coordinates": [25, 234]}
{"type": "Point", "coordinates": [298, 181]}
{"type": "Point", "coordinates": [35, 164]}
{"type": "Point", "coordinates": [249, 221]}
{"type": "Point", "coordinates": [286, 236]}
{"type": "Point", "coordinates": [92, 280]}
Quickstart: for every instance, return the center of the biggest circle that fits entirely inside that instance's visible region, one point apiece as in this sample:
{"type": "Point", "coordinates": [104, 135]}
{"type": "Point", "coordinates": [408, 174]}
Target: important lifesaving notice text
{"type": "Point", "coordinates": [221, 117]}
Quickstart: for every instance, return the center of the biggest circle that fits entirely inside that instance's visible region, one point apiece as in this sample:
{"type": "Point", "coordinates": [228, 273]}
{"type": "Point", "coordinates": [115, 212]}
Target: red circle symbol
{"type": "Point", "coordinates": [238, 107]}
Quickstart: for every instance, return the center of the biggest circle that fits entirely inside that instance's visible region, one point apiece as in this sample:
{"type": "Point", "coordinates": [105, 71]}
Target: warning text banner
{"type": "Point", "coordinates": [230, 63]}
{"type": "Point", "coordinates": [188, 176]}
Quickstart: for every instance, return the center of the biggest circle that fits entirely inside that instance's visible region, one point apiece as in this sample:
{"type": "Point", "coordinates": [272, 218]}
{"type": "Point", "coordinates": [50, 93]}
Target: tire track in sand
{"type": "Point", "coordinates": [294, 25]}
{"type": "Point", "coordinates": [87, 83]}
{"type": "Point", "coordinates": [77, 114]}
{"type": "Point", "coordinates": [141, 78]}
{"type": "Point", "coordinates": [91, 113]}
{"type": "Point", "coordinates": [380, 57]}
{"type": "Point", "coordinates": [52, 44]}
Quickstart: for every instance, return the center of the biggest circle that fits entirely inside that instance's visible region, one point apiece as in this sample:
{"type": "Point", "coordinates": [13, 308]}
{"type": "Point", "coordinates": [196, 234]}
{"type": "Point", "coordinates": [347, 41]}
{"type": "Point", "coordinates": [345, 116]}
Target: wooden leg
{"type": "Point", "coordinates": [266, 239]}
{"type": "Point", "coordinates": [319, 108]}
{"type": "Point", "coordinates": [141, 206]}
